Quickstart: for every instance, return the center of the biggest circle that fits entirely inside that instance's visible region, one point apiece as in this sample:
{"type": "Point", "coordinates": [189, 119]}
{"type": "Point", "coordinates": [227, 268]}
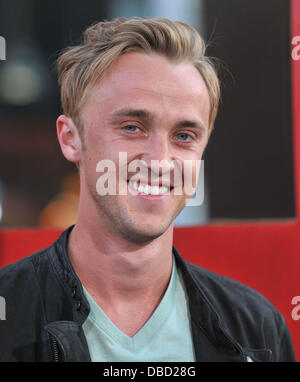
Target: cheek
{"type": "Point", "coordinates": [191, 166]}
{"type": "Point", "coordinates": [97, 148]}
{"type": "Point", "coordinates": [101, 161]}
{"type": "Point", "coordinates": [191, 172]}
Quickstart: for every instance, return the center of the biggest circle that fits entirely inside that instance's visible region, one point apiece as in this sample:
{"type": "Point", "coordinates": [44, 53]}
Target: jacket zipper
{"type": "Point", "coordinates": [236, 346]}
{"type": "Point", "coordinates": [55, 350]}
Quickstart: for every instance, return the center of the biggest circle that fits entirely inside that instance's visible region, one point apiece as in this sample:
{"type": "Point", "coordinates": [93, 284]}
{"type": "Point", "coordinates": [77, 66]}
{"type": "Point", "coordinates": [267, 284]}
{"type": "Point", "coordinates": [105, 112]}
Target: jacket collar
{"type": "Point", "coordinates": [207, 325]}
{"type": "Point", "coordinates": [207, 328]}
{"type": "Point", "coordinates": [65, 271]}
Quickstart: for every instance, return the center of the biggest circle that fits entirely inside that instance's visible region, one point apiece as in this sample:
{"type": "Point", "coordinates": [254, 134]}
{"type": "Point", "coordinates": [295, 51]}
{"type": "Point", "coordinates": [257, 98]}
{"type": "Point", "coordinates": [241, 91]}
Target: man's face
{"type": "Point", "coordinates": [151, 109]}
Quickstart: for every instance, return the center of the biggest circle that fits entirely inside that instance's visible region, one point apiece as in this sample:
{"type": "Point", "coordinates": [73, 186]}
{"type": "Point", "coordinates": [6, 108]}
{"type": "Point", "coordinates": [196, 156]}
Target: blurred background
{"type": "Point", "coordinates": [248, 163]}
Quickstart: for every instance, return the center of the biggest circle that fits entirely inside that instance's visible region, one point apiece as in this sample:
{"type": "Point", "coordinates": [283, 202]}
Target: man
{"type": "Point", "coordinates": [113, 288]}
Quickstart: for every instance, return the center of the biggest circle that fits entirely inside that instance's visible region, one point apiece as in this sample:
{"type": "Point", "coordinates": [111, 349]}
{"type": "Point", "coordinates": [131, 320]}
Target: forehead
{"type": "Point", "coordinates": [138, 79]}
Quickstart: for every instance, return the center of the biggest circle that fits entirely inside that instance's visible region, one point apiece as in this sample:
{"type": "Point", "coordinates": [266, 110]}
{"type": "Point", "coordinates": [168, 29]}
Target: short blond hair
{"type": "Point", "coordinates": [81, 67]}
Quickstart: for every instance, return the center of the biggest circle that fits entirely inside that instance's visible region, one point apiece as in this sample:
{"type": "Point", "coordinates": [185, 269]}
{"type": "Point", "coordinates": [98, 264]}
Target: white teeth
{"type": "Point", "coordinates": [149, 190]}
{"type": "Point", "coordinates": [135, 185]}
{"type": "Point", "coordinates": [163, 190]}
{"type": "Point", "coordinates": [155, 190]}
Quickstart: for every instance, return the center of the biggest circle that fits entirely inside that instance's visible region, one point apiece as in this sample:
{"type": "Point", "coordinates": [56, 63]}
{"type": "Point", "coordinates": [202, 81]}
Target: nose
{"type": "Point", "coordinates": [158, 155]}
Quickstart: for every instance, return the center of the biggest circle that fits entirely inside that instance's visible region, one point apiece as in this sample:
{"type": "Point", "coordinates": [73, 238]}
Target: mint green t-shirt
{"type": "Point", "coordinates": [166, 336]}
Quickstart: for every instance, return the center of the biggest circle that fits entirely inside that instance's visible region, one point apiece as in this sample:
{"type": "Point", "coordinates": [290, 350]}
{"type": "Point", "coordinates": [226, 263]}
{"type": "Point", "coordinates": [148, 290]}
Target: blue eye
{"type": "Point", "coordinates": [183, 136]}
{"type": "Point", "coordinates": [130, 128]}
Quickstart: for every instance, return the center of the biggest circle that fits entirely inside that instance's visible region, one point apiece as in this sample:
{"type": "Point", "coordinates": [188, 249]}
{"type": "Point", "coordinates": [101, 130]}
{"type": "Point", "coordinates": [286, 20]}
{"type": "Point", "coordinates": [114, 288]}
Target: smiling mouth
{"type": "Point", "coordinates": [146, 189]}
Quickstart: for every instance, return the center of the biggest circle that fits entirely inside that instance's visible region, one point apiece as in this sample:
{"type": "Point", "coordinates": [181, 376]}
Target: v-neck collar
{"type": "Point", "coordinates": [157, 319]}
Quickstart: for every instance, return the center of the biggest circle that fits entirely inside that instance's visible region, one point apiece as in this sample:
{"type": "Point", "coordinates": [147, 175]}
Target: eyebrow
{"type": "Point", "coordinates": [147, 116]}
{"type": "Point", "coordinates": [189, 123]}
{"type": "Point", "coordinates": [137, 113]}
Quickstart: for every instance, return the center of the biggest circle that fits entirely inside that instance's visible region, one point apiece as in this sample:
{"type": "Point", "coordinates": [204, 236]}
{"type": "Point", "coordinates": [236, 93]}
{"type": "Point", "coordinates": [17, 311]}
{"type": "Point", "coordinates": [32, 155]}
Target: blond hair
{"type": "Point", "coordinates": [81, 67]}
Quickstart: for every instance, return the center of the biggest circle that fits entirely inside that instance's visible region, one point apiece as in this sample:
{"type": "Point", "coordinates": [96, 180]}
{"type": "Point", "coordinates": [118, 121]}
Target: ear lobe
{"type": "Point", "coordinates": [69, 138]}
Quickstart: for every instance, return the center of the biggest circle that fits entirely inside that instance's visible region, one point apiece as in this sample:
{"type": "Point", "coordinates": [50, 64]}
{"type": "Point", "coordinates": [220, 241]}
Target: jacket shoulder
{"type": "Point", "coordinates": [24, 311]}
{"type": "Point", "coordinates": [222, 288]}
{"type": "Point", "coordinates": [244, 313]}
{"type": "Point", "coordinates": [21, 273]}
{"type": "Point", "coordinates": [23, 263]}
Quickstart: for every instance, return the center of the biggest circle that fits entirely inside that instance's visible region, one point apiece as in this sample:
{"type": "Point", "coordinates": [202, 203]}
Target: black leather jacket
{"type": "Point", "coordinates": [46, 307]}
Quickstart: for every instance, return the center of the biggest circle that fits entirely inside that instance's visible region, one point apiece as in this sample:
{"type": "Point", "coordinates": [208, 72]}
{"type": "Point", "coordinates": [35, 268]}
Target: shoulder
{"type": "Point", "coordinates": [229, 295]}
{"type": "Point", "coordinates": [21, 274]}
{"type": "Point", "coordinates": [37, 263]}
{"type": "Point", "coordinates": [23, 307]}
{"type": "Point", "coordinates": [244, 313]}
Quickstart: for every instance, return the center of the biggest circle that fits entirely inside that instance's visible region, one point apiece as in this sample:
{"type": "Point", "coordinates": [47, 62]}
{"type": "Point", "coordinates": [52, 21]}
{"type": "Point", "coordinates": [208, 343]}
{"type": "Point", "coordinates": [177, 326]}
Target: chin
{"type": "Point", "coordinates": [140, 235]}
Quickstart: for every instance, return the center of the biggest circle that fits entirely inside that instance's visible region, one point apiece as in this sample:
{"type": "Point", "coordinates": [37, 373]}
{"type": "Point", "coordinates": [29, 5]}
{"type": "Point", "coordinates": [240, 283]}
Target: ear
{"type": "Point", "coordinates": [69, 138]}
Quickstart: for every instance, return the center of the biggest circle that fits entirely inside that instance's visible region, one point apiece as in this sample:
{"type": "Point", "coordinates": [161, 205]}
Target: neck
{"type": "Point", "coordinates": [114, 270]}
